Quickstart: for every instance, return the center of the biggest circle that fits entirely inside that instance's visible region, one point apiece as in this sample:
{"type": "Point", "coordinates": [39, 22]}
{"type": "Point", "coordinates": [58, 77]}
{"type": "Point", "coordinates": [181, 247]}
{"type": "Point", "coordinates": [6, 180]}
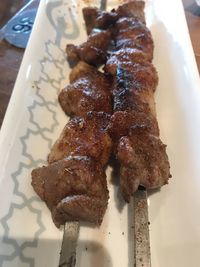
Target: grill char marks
{"type": "Point", "coordinates": [133, 127]}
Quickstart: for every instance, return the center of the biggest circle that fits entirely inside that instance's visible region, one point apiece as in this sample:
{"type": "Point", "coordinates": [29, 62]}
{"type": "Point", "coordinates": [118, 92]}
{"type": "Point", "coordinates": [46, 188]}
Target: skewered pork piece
{"type": "Point", "coordinates": [133, 125]}
{"type": "Point", "coordinates": [84, 137]}
{"type": "Point", "coordinates": [132, 33]}
{"type": "Point", "coordinates": [89, 91]}
{"type": "Point", "coordinates": [141, 154]}
{"type": "Point", "coordinates": [93, 51]}
{"type": "Point", "coordinates": [95, 18]}
{"type": "Point", "coordinates": [74, 188]}
{"type": "Point", "coordinates": [73, 185]}
{"type": "Point", "coordinates": [122, 122]}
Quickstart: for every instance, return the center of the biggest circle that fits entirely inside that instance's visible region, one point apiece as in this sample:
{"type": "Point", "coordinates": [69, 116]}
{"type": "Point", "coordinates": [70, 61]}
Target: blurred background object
{"type": "Point", "coordinates": [9, 8]}
{"type": "Point", "coordinates": [198, 2]}
{"type": "Point", "coordinates": [18, 28]}
{"type": "Point", "coordinates": [10, 56]}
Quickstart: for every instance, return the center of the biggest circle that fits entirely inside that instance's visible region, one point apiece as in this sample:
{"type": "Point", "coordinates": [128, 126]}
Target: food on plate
{"type": "Point", "coordinates": [97, 19]}
{"type": "Point", "coordinates": [89, 91]}
{"type": "Point", "coordinates": [84, 136]}
{"type": "Point", "coordinates": [74, 188]}
{"type": "Point", "coordinates": [114, 113]}
{"type": "Point", "coordinates": [93, 51]}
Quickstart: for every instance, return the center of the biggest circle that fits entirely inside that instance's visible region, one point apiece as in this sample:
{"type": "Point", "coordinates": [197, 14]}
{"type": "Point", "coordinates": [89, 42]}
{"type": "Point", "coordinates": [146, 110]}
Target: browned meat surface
{"type": "Point", "coordinates": [125, 57]}
{"type": "Point", "coordinates": [93, 51]}
{"type": "Point", "coordinates": [90, 92]}
{"type": "Point", "coordinates": [143, 161]}
{"type": "Point", "coordinates": [141, 154]}
{"type": "Point", "coordinates": [73, 185]}
{"type": "Point", "coordinates": [90, 14]}
{"type": "Point", "coordinates": [80, 71]}
{"type": "Point", "coordinates": [134, 34]}
{"type": "Point", "coordinates": [122, 122]}
{"type": "Point", "coordinates": [133, 61]}
{"type": "Point", "coordinates": [133, 91]}
{"type": "Point", "coordinates": [96, 19]}
{"type": "Point", "coordinates": [73, 188]}
{"type": "Point", "coordinates": [84, 137]}
{"type": "Point", "coordinates": [133, 126]}
{"type": "Point", "coordinates": [133, 9]}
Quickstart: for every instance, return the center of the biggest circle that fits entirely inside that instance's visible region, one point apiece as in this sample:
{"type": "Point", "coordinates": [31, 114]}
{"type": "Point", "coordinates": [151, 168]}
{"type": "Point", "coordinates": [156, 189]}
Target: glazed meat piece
{"type": "Point", "coordinates": [90, 92]}
{"type": "Point", "coordinates": [93, 51]}
{"type": "Point", "coordinates": [143, 161]}
{"type": "Point", "coordinates": [139, 151]}
{"type": "Point", "coordinates": [122, 122]}
{"type": "Point", "coordinates": [96, 19]}
{"type": "Point", "coordinates": [73, 188]}
{"type": "Point", "coordinates": [84, 137]}
{"type": "Point", "coordinates": [134, 62]}
{"type": "Point", "coordinates": [132, 33]}
{"type": "Point", "coordinates": [133, 9]}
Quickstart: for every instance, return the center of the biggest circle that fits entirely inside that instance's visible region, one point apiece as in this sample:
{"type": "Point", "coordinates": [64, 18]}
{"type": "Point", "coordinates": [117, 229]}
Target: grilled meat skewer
{"type": "Point", "coordinates": [141, 154]}
{"type": "Point", "coordinates": [73, 185]}
{"type": "Point", "coordinates": [136, 140]}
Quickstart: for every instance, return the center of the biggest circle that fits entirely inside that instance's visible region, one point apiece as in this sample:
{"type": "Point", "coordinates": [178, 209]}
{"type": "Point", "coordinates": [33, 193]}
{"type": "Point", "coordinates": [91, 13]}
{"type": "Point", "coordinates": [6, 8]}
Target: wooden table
{"type": "Point", "coordinates": [10, 57]}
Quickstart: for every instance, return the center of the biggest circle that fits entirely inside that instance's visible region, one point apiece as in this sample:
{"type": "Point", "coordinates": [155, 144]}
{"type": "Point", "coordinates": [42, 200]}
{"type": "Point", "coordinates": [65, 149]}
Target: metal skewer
{"type": "Point", "coordinates": [69, 243]}
{"type": "Point", "coordinates": [71, 229]}
{"type": "Point", "coordinates": [142, 255]}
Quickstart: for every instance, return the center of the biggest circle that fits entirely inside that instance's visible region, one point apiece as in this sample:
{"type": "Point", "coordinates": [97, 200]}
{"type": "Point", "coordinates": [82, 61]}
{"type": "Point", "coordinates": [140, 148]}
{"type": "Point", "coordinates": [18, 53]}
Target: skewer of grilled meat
{"type": "Point", "coordinates": [73, 185]}
{"type": "Point", "coordinates": [133, 125]}
{"type": "Point", "coordinates": [140, 152]}
{"type": "Point", "coordinates": [99, 28]}
{"type": "Point", "coordinates": [135, 80]}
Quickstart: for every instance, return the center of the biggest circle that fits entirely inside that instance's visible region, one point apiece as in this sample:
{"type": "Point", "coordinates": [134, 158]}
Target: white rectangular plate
{"type": "Point", "coordinates": [33, 121]}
